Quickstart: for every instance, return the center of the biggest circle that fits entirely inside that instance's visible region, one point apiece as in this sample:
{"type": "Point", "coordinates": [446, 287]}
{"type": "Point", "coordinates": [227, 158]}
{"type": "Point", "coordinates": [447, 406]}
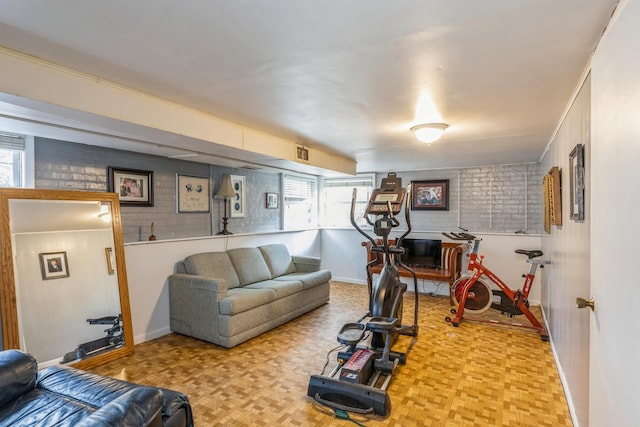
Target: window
{"type": "Point", "coordinates": [16, 160]}
{"type": "Point", "coordinates": [300, 202]}
{"type": "Point", "coordinates": [336, 200]}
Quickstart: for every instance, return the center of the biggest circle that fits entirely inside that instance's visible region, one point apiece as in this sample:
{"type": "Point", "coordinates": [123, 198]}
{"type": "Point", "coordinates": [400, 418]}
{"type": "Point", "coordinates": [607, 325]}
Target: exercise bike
{"type": "Point", "coordinates": [470, 294]}
{"type": "Point", "coordinates": [366, 364]}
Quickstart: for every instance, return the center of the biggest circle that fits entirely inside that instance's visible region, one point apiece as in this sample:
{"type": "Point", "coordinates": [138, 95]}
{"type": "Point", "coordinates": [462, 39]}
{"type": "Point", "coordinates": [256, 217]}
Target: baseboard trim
{"type": "Point", "coordinates": [151, 335]}
{"type": "Point", "coordinates": [563, 379]}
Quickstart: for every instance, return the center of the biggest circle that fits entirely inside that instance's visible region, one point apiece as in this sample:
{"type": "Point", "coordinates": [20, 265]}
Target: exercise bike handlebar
{"type": "Point", "coordinates": [463, 235]}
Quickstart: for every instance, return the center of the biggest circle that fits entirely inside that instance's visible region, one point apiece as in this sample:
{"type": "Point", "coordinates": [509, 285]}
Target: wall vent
{"type": "Point", "coordinates": [302, 153]}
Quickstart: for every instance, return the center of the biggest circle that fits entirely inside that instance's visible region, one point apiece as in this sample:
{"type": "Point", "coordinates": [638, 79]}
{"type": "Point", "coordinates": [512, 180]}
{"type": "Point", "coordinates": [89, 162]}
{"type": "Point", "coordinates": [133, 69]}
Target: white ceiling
{"type": "Point", "coordinates": [345, 76]}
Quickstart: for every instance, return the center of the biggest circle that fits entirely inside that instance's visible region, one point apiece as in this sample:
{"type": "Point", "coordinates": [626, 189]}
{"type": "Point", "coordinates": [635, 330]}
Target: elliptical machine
{"type": "Point", "coordinates": [366, 366]}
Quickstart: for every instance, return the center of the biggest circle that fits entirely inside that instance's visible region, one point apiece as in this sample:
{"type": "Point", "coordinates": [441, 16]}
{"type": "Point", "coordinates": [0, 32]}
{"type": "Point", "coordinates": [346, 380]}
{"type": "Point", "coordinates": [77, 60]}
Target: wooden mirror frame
{"type": "Point", "coordinates": [8, 300]}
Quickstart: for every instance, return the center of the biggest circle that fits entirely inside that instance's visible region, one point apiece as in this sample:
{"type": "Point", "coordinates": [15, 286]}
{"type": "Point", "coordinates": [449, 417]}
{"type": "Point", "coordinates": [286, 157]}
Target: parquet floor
{"type": "Point", "coordinates": [474, 375]}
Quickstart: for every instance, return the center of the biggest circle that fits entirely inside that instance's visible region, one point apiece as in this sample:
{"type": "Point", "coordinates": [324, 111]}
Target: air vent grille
{"type": "Point", "coordinates": [302, 153]}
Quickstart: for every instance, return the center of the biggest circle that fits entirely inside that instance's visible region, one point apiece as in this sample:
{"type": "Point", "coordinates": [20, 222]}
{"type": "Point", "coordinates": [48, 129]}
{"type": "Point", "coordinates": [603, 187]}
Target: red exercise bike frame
{"type": "Point", "coordinates": [475, 296]}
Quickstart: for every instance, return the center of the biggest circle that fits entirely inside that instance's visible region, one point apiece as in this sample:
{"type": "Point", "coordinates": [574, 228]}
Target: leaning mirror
{"type": "Point", "coordinates": [64, 295]}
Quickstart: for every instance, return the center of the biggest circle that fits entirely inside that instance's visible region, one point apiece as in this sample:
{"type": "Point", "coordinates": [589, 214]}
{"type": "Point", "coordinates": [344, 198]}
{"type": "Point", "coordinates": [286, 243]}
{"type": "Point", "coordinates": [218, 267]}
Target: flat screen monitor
{"type": "Point", "coordinates": [426, 253]}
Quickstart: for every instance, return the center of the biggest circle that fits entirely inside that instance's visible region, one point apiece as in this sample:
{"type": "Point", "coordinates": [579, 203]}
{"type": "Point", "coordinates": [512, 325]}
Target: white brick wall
{"type": "Point", "coordinates": [501, 199]}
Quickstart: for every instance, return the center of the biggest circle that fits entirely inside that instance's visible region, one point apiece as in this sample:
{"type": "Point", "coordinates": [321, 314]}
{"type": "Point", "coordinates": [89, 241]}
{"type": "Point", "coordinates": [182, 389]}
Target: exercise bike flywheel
{"type": "Point", "coordinates": [479, 298]}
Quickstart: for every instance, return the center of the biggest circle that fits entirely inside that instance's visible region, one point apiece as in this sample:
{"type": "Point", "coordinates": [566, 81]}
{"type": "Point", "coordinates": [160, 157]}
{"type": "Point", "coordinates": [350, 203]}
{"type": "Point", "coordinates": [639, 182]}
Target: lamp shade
{"type": "Point", "coordinates": [226, 189]}
{"type": "Point", "coordinates": [429, 132]}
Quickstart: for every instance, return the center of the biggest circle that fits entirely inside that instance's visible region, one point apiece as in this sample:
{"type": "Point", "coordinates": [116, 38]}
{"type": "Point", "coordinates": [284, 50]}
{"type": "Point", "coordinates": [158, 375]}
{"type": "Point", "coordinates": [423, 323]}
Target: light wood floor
{"type": "Point", "coordinates": [473, 375]}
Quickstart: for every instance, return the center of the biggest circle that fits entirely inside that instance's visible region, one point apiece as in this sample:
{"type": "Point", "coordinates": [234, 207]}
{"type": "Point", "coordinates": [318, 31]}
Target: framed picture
{"type": "Point", "coordinates": [237, 203]}
{"type": "Point", "coordinates": [53, 265]}
{"type": "Point", "coordinates": [576, 175]}
{"type": "Point", "coordinates": [111, 261]}
{"type": "Point", "coordinates": [134, 187]}
{"type": "Point", "coordinates": [430, 195]}
{"type": "Point", "coordinates": [272, 201]}
{"type": "Point", "coordinates": [193, 194]}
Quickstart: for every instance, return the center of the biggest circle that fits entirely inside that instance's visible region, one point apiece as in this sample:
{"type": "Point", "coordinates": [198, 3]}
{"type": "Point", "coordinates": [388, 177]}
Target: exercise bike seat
{"type": "Point", "coordinates": [381, 323]}
{"type": "Point", "coordinates": [529, 254]}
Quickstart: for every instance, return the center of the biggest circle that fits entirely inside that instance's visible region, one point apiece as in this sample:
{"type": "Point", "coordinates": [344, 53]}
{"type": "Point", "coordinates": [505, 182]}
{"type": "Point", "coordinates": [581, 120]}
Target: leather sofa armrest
{"type": "Point", "coordinates": [18, 373]}
{"type": "Point", "coordinates": [305, 264]}
{"type": "Point", "coordinates": [176, 410]}
{"type": "Point", "coordinates": [140, 406]}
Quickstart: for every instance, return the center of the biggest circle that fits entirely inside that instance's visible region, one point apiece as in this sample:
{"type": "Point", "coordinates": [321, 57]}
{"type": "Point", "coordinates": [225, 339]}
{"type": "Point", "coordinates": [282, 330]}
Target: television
{"type": "Point", "coordinates": [425, 253]}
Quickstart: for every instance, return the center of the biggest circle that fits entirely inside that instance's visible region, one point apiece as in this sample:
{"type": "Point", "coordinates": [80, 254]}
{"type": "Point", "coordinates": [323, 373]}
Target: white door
{"type": "Point", "coordinates": [615, 226]}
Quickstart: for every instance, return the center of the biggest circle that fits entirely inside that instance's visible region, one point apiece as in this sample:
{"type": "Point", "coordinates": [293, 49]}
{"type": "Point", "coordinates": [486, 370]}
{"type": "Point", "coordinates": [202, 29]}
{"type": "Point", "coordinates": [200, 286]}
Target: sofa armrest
{"type": "Point", "coordinates": [305, 264]}
{"type": "Point", "coordinates": [140, 406]}
{"type": "Point", "coordinates": [191, 281]}
{"type": "Point", "coordinates": [193, 305]}
{"type": "Point", "coordinates": [18, 372]}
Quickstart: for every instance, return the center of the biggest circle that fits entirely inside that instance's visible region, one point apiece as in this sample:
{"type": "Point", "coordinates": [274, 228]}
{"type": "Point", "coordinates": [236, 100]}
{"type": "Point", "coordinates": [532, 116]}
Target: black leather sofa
{"type": "Point", "coordinates": [63, 396]}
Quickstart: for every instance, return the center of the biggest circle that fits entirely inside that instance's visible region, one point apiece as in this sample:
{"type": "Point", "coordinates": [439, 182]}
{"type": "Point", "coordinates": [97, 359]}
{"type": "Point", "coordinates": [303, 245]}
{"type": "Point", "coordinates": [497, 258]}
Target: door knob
{"type": "Point", "coordinates": [582, 303]}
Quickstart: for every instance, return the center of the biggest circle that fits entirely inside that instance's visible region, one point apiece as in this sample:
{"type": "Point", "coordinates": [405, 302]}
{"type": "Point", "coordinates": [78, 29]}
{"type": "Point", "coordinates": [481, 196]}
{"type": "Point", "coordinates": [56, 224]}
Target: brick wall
{"type": "Point", "coordinates": [70, 166]}
{"type": "Point", "coordinates": [489, 199]}
{"type": "Point", "coordinates": [501, 199]}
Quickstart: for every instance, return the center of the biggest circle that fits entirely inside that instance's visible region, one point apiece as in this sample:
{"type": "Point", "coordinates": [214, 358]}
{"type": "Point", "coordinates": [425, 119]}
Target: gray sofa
{"type": "Point", "coordinates": [230, 297]}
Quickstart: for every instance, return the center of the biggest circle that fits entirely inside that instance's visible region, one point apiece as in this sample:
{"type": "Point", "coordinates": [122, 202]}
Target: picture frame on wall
{"type": "Point", "coordinates": [111, 260]}
{"type": "Point", "coordinates": [193, 194]}
{"type": "Point", "coordinates": [54, 265]}
{"type": "Point", "coordinates": [272, 200]}
{"type": "Point", "coordinates": [576, 177]}
{"type": "Point", "coordinates": [430, 195]}
{"type": "Point", "coordinates": [134, 187]}
{"type": "Point", "coordinates": [237, 202]}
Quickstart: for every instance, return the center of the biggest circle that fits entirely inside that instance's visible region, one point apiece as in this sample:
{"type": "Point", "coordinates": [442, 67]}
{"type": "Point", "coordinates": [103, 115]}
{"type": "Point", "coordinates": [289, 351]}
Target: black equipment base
{"type": "Point", "coordinates": [351, 397]}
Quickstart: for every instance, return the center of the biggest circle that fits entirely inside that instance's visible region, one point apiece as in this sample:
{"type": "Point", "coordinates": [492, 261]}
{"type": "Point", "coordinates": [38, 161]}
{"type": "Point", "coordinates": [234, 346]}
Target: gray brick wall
{"type": "Point", "coordinates": [489, 199]}
{"type": "Point", "coordinates": [71, 166]}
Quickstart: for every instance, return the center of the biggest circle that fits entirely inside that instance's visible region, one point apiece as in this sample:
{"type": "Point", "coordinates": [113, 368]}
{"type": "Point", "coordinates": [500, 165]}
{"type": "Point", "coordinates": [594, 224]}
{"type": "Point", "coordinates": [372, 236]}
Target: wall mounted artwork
{"type": "Point", "coordinates": [134, 187]}
{"type": "Point", "coordinates": [237, 203]}
{"type": "Point", "coordinates": [193, 194]}
{"type": "Point", "coordinates": [552, 191]}
{"type": "Point", "coordinates": [576, 174]}
{"type": "Point", "coordinates": [430, 195]}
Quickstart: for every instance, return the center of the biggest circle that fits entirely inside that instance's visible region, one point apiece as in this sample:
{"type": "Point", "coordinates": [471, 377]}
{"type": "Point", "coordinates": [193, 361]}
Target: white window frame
{"type": "Point", "coordinates": [328, 204]}
{"type": "Point", "coordinates": [24, 144]}
{"type": "Point", "coordinates": [299, 201]}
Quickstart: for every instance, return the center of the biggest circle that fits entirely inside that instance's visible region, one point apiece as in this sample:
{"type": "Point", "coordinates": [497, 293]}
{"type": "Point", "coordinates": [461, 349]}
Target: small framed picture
{"type": "Point", "coordinates": [193, 193]}
{"type": "Point", "coordinates": [237, 202]}
{"type": "Point", "coordinates": [576, 175]}
{"type": "Point", "coordinates": [430, 195]}
{"type": "Point", "coordinates": [272, 201]}
{"type": "Point", "coordinates": [111, 260]}
{"type": "Point", "coordinates": [54, 265]}
{"type": "Point", "coordinates": [134, 187]}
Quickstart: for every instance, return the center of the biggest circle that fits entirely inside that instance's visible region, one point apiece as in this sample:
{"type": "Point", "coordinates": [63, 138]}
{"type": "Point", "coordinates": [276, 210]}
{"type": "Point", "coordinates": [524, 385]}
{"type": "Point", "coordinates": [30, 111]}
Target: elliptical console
{"type": "Point", "coordinates": [366, 366]}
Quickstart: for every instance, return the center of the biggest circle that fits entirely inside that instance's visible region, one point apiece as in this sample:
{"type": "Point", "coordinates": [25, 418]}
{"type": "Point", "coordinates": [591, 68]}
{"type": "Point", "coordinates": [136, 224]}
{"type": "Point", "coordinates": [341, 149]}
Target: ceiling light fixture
{"type": "Point", "coordinates": [429, 132]}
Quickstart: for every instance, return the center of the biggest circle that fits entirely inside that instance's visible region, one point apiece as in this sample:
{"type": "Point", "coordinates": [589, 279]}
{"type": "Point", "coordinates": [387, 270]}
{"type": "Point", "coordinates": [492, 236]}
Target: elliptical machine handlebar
{"type": "Point", "coordinates": [353, 218]}
{"type": "Point", "coordinates": [407, 217]}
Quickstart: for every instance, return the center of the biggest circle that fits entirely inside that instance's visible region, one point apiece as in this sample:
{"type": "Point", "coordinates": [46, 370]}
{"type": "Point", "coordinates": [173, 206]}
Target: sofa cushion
{"type": "Point", "coordinates": [309, 279]}
{"type": "Point", "coordinates": [278, 259]}
{"type": "Point", "coordinates": [250, 265]}
{"type": "Point", "coordinates": [213, 265]}
{"type": "Point", "coordinates": [283, 288]}
{"type": "Point", "coordinates": [243, 299]}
